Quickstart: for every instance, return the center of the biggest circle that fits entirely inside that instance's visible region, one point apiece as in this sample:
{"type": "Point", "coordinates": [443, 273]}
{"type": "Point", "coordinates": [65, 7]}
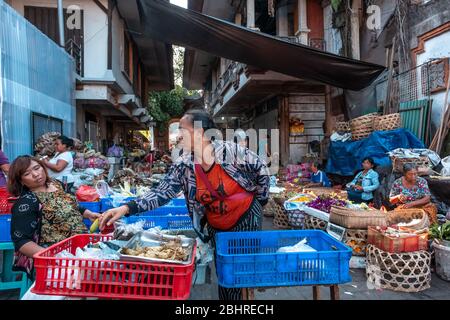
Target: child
{"type": "Point", "coordinates": [318, 177]}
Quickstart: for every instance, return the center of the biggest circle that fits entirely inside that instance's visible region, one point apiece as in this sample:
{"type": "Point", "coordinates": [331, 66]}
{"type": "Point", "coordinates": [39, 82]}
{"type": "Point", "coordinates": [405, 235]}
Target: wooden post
{"type": "Point", "coordinates": [248, 294]}
{"type": "Point", "coordinates": [283, 103]}
{"type": "Point", "coordinates": [316, 292]}
{"type": "Point", "coordinates": [334, 292]}
{"type": "Point", "coordinates": [387, 104]}
{"type": "Point", "coordinates": [251, 14]}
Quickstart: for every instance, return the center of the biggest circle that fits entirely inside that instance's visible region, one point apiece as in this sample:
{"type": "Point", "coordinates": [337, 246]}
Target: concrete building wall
{"type": "Point", "coordinates": [95, 25]}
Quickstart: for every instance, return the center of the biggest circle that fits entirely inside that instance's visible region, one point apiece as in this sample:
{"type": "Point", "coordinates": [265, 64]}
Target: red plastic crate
{"type": "Point", "coordinates": [397, 245]}
{"type": "Point", "coordinates": [6, 201]}
{"type": "Point", "coordinates": [77, 277]}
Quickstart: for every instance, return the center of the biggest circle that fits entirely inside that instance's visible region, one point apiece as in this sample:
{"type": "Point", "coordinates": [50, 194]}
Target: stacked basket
{"type": "Point", "coordinates": [400, 263]}
{"type": "Point", "coordinates": [387, 122]}
{"type": "Point", "coordinates": [362, 127]}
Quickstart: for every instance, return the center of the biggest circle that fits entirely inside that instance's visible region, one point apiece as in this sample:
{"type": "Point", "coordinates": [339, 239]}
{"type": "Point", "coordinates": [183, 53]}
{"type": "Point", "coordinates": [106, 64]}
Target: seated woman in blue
{"type": "Point", "coordinates": [364, 184]}
{"type": "Point", "coordinates": [318, 177]}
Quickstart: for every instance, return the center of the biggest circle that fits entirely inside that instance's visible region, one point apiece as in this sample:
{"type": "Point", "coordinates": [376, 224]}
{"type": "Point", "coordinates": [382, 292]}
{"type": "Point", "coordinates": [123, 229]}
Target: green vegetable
{"type": "Point", "coordinates": [440, 232]}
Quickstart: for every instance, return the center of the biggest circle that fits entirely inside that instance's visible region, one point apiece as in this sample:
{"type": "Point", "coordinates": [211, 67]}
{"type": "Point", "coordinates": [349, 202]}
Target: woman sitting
{"type": "Point", "coordinates": [364, 184]}
{"type": "Point", "coordinates": [43, 214]}
{"type": "Point", "coordinates": [411, 191]}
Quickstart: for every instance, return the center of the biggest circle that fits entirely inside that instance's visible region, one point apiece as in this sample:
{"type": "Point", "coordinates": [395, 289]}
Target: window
{"type": "Point", "coordinates": [128, 57]}
{"type": "Point", "coordinates": [42, 124]}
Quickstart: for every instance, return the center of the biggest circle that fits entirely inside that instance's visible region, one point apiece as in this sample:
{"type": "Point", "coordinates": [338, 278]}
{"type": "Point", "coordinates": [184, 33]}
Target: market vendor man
{"type": "Point", "coordinates": [318, 177]}
{"type": "Point", "coordinates": [411, 191]}
{"type": "Point", "coordinates": [224, 191]}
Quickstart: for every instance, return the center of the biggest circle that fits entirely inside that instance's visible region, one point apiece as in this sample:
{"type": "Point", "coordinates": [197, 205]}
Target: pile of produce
{"type": "Point", "coordinates": [45, 146]}
{"type": "Point", "coordinates": [127, 176]}
{"type": "Point", "coordinates": [171, 250]}
{"type": "Point", "coordinates": [324, 203]}
{"type": "Point", "coordinates": [90, 159]}
{"type": "Point", "coordinates": [137, 153]}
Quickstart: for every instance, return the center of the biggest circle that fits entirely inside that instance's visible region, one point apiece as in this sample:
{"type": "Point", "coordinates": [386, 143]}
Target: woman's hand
{"type": "Point", "coordinates": [403, 198]}
{"type": "Point", "coordinates": [112, 215]}
{"type": "Point", "coordinates": [88, 214]}
{"type": "Point", "coordinates": [359, 188]}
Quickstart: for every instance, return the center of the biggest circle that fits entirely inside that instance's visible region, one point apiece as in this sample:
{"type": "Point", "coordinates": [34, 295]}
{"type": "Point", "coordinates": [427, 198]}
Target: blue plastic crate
{"type": "Point", "coordinates": [250, 259]}
{"type": "Point", "coordinates": [87, 222]}
{"type": "Point", "coordinates": [165, 211]}
{"type": "Point", "coordinates": [107, 203]}
{"type": "Point", "coordinates": [165, 222]}
{"type": "Point", "coordinates": [177, 202]}
{"type": "Point", "coordinates": [93, 206]}
{"type": "Point", "coordinates": [5, 228]}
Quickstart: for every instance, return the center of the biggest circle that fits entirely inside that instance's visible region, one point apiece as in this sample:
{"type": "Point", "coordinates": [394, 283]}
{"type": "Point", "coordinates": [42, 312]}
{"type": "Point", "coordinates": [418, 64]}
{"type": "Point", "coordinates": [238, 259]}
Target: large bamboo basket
{"type": "Point", "coordinates": [387, 122]}
{"type": "Point", "coordinates": [362, 127]}
{"type": "Point", "coordinates": [357, 219]}
{"type": "Point", "coordinates": [406, 272]}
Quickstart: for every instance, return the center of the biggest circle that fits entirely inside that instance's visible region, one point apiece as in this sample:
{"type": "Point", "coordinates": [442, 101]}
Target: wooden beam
{"type": "Point", "coordinates": [101, 6]}
{"type": "Point", "coordinates": [109, 13]}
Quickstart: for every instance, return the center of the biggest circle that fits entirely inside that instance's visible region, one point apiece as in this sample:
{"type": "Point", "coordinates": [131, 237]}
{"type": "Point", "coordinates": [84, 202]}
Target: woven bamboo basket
{"type": "Point", "coordinates": [362, 127]}
{"type": "Point", "coordinates": [343, 126]}
{"type": "Point", "coordinates": [269, 209]}
{"type": "Point", "coordinates": [281, 220]}
{"type": "Point", "coordinates": [387, 122]}
{"type": "Point", "coordinates": [407, 215]}
{"type": "Point", "coordinates": [406, 272]}
{"type": "Point", "coordinates": [397, 163]}
{"type": "Point", "coordinates": [357, 240]}
{"type": "Point", "coordinates": [313, 223]}
{"type": "Point", "coordinates": [357, 219]}
{"type": "Point", "coordinates": [296, 218]}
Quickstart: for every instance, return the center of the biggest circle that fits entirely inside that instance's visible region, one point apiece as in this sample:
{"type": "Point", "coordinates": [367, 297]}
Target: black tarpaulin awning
{"type": "Point", "coordinates": [183, 27]}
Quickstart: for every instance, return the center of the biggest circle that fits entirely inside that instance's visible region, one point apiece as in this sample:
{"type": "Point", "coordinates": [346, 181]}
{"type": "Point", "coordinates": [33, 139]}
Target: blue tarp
{"type": "Point", "coordinates": [345, 157]}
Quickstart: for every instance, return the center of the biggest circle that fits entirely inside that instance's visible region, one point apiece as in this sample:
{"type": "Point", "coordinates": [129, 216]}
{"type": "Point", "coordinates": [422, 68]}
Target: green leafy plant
{"type": "Point", "coordinates": [440, 232]}
{"type": "Point", "coordinates": [335, 4]}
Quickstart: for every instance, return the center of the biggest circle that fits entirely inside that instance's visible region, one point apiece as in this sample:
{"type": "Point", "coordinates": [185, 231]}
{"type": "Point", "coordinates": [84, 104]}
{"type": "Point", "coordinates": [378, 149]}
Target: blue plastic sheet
{"type": "Point", "coordinates": [345, 158]}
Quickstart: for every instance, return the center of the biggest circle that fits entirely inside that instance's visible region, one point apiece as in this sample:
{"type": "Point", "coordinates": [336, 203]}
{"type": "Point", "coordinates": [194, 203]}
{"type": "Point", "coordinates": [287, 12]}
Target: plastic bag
{"type": "Point", "coordinates": [103, 189]}
{"type": "Point", "coordinates": [87, 194]}
{"type": "Point", "coordinates": [446, 166]}
{"type": "Point", "coordinates": [115, 151]}
{"type": "Point", "coordinates": [299, 247]}
{"type": "Point", "coordinates": [125, 232]}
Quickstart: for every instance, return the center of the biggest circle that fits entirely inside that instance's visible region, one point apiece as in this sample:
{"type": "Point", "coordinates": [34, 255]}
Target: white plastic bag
{"type": "Point", "coordinates": [446, 166]}
{"type": "Point", "coordinates": [299, 247]}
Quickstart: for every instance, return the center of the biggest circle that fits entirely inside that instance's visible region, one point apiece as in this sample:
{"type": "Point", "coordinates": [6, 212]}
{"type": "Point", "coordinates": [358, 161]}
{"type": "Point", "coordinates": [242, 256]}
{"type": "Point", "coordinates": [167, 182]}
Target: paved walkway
{"type": "Point", "coordinates": [356, 290]}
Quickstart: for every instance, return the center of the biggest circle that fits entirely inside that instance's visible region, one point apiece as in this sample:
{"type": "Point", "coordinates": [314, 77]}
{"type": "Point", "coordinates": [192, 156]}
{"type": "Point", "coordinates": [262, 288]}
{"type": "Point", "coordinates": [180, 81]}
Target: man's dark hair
{"type": "Point", "coordinates": [203, 116]}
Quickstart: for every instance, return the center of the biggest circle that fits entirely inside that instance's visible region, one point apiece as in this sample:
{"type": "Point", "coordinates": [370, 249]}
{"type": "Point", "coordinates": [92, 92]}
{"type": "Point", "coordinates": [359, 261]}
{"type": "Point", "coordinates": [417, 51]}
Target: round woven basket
{"type": "Point", "coordinates": [407, 215]}
{"type": "Point", "coordinates": [362, 127]}
{"type": "Point", "coordinates": [281, 220]}
{"type": "Point", "coordinates": [269, 209]}
{"type": "Point", "coordinates": [357, 240]}
{"type": "Point", "coordinates": [406, 272]}
{"type": "Point", "coordinates": [343, 126]}
{"type": "Point", "coordinates": [313, 223]}
{"type": "Point", "coordinates": [387, 122]}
